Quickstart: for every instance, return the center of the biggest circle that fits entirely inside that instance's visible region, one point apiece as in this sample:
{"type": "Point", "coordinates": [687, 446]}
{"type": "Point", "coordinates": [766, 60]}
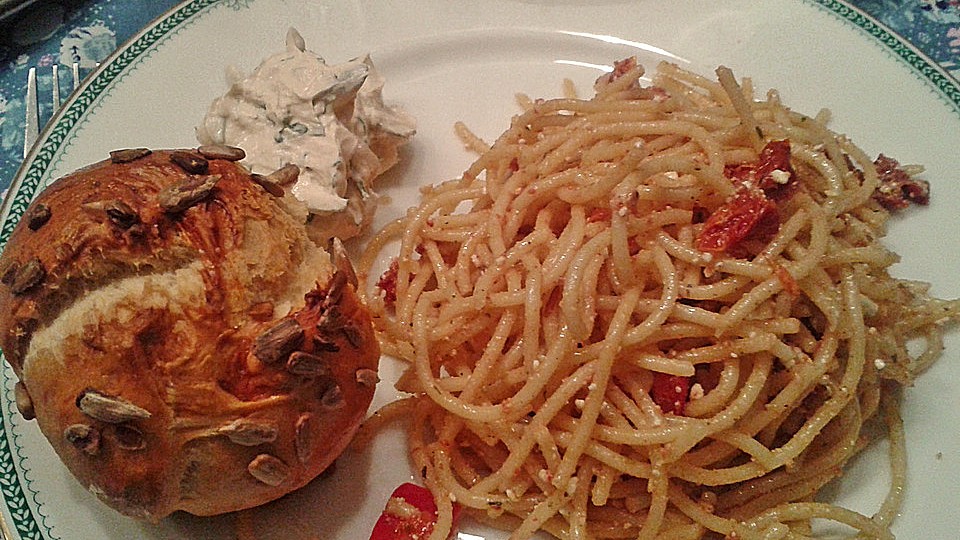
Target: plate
{"type": "Point", "coordinates": [445, 62]}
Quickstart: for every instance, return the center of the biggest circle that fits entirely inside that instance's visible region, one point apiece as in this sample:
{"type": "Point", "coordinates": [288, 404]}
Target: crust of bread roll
{"type": "Point", "coordinates": [181, 342]}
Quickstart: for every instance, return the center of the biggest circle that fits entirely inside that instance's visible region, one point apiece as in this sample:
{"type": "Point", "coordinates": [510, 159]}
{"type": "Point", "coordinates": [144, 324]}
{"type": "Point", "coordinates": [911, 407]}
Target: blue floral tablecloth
{"type": "Point", "coordinates": [62, 32]}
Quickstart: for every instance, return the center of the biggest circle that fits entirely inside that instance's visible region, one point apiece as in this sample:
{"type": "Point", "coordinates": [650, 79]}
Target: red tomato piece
{"type": "Point", "coordinates": [775, 175]}
{"type": "Point", "coordinates": [620, 68]}
{"type": "Point", "coordinates": [897, 189]}
{"type": "Point", "coordinates": [388, 283]}
{"type": "Point", "coordinates": [670, 392]}
{"type": "Point", "coordinates": [410, 514]}
{"type": "Point", "coordinates": [741, 172]}
{"type": "Point", "coordinates": [748, 211]}
{"type": "Point", "coordinates": [772, 172]}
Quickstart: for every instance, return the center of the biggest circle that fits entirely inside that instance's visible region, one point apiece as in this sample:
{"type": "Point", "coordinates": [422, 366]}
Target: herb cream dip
{"type": "Point", "coordinates": [329, 120]}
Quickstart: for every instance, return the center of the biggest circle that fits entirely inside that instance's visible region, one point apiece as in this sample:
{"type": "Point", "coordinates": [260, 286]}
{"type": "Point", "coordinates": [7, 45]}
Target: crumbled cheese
{"type": "Point", "coordinates": [779, 176]}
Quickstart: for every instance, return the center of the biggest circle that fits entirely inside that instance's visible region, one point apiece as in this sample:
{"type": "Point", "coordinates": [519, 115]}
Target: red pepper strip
{"type": "Point", "coordinates": [748, 211]}
{"type": "Point", "coordinates": [670, 392]}
{"type": "Point", "coordinates": [410, 514]}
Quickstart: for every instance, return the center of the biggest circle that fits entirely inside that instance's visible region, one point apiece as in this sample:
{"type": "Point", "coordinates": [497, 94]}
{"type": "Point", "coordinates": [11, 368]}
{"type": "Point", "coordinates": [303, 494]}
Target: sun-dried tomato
{"type": "Point", "coordinates": [670, 392]}
{"type": "Point", "coordinates": [748, 212]}
{"type": "Point", "coordinates": [898, 189]}
{"type": "Point", "coordinates": [752, 211]}
{"type": "Point", "coordinates": [388, 283]}
{"type": "Point", "coordinates": [620, 68]}
{"type": "Point", "coordinates": [772, 172]}
{"type": "Point", "coordinates": [775, 175]}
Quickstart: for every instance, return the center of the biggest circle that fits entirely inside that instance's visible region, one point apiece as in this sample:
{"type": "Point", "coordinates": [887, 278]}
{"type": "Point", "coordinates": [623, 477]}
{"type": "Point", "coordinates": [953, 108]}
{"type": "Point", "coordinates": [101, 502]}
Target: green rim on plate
{"type": "Point", "coordinates": [26, 519]}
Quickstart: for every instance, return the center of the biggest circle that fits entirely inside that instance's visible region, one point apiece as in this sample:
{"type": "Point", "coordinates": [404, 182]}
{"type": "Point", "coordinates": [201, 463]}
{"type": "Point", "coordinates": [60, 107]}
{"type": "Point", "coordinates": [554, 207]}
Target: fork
{"type": "Point", "coordinates": [32, 125]}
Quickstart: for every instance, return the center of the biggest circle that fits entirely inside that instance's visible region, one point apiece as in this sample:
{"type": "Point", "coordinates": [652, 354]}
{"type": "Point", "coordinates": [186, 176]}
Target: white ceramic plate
{"type": "Point", "coordinates": [448, 61]}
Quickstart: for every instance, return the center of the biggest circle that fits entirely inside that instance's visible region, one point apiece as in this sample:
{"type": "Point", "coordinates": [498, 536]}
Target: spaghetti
{"type": "Point", "coordinates": [661, 312]}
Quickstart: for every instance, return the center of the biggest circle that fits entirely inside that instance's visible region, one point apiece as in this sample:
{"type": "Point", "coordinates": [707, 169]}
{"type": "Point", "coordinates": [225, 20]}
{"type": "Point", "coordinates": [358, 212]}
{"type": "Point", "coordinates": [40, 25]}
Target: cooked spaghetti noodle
{"type": "Point", "coordinates": [660, 312]}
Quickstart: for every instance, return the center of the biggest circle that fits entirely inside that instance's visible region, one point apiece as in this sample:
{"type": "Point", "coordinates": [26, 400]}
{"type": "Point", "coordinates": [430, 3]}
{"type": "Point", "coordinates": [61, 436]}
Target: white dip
{"type": "Point", "coordinates": [330, 120]}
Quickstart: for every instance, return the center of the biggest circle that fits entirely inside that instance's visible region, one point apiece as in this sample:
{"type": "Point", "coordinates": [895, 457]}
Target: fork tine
{"type": "Point", "coordinates": [55, 81]}
{"type": "Point", "coordinates": [32, 129]}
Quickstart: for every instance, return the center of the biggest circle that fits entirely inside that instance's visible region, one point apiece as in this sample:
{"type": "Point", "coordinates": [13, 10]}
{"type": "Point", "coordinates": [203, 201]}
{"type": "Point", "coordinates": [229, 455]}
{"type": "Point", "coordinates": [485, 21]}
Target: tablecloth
{"type": "Point", "coordinates": [62, 32]}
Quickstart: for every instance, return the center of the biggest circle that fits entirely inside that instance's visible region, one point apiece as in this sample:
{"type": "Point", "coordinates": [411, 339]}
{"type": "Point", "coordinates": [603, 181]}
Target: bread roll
{"type": "Point", "coordinates": [181, 342]}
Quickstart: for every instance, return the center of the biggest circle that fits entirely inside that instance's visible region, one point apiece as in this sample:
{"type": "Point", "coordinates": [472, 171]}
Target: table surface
{"type": "Point", "coordinates": [47, 32]}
